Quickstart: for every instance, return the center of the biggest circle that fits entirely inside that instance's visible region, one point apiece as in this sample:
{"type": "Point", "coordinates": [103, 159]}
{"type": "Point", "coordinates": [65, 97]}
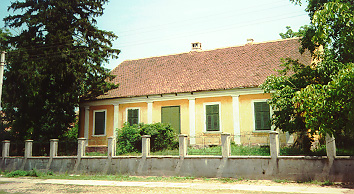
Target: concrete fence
{"type": "Point", "coordinates": [301, 168]}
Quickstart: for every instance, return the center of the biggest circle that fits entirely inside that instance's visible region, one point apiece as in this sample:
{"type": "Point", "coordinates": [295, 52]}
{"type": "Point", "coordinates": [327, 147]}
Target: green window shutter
{"type": "Point", "coordinates": [262, 116]}
{"type": "Point", "coordinates": [212, 117]}
{"type": "Point", "coordinates": [100, 123]}
{"type": "Point", "coordinates": [133, 116]}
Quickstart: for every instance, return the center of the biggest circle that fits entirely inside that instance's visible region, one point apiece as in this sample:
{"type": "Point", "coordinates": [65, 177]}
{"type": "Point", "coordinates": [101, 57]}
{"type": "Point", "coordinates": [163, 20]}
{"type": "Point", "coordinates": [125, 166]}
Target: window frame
{"type": "Point", "coordinates": [205, 117]}
{"type": "Point", "coordinates": [254, 116]}
{"type": "Point", "coordinates": [132, 108]}
{"type": "Point", "coordinates": [94, 122]}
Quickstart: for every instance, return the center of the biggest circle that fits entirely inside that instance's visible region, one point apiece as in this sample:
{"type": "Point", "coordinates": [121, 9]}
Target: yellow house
{"type": "Point", "coordinates": [200, 93]}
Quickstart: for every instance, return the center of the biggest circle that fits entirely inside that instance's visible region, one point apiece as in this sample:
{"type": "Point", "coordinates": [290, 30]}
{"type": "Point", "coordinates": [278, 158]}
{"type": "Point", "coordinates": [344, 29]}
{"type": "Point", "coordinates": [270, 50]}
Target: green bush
{"type": "Point", "coordinates": [162, 137]}
{"type": "Point", "coordinates": [129, 139]}
{"type": "Point", "coordinates": [21, 173]}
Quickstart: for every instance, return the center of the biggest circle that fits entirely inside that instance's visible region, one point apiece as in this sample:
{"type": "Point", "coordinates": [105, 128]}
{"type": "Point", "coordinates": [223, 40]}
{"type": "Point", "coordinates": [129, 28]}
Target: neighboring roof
{"type": "Point", "coordinates": [225, 68]}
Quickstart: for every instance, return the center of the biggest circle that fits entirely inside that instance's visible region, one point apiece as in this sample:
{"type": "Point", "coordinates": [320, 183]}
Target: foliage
{"type": "Point", "coordinates": [72, 133]}
{"type": "Point", "coordinates": [162, 137]}
{"type": "Point", "coordinates": [318, 98]}
{"type": "Point", "coordinates": [291, 34]}
{"type": "Point", "coordinates": [129, 139]}
{"type": "Point", "coordinates": [20, 173]}
{"type": "Point", "coordinates": [4, 36]}
{"type": "Point", "coordinates": [56, 60]}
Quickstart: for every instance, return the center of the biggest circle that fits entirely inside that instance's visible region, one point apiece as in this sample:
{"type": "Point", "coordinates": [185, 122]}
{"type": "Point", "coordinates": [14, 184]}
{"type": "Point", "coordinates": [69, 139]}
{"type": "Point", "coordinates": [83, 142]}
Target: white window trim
{"type": "Point", "coordinates": [204, 117]}
{"type": "Point", "coordinates": [132, 108]}
{"type": "Point", "coordinates": [272, 127]}
{"type": "Point", "coordinates": [105, 126]}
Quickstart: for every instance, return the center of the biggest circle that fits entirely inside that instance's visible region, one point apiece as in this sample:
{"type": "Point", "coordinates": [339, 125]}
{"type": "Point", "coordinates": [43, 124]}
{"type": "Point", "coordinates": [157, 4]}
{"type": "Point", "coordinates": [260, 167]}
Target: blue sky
{"type": "Point", "coordinates": [163, 27]}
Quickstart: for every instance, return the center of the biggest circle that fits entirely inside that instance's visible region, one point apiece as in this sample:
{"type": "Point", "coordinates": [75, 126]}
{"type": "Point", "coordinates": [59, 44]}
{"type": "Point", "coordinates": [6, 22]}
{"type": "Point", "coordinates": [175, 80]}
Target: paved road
{"type": "Point", "coordinates": [6, 184]}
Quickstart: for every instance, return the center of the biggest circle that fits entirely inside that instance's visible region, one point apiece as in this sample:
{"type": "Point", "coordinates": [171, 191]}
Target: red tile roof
{"type": "Point", "coordinates": [225, 68]}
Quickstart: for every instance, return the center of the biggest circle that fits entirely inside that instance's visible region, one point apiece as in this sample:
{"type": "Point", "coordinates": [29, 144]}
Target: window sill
{"type": "Point", "coordinates": [262, 131]}
{"type": "Point", "coordinates": [212, 132]}
{"type": "Point", "coordinates": [99, 135]}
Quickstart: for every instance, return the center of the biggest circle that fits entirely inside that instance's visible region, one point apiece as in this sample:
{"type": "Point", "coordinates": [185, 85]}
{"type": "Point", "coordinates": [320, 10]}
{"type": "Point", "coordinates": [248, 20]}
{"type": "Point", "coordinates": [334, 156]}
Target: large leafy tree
{"type": "Point", "coordinates": [56, 60]}
{"type": "Point", "coordinates": [319, 97]}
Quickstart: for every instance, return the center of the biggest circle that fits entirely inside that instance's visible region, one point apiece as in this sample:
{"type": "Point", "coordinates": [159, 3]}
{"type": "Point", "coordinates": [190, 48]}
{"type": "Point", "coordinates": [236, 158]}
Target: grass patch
{"type": "Point", "coordinates": [281, 181]}
{"type": "Point", "coordinates": [95, 154]}
{"type": "Point", "coordinates": [174, 152]}
{"type": "Point", "coordinates": [22, 173]}
{"type": "Point", "coordinates": [240, 150]}
{"type": "Point", "coordinates": [213, 150]}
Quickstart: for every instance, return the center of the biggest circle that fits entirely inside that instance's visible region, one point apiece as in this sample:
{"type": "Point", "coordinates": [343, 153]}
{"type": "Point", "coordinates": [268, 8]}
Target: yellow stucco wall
{"type": "Point", "coordinates": [101, 139]}
{"type": "Point", "coordinates": [246, 119]}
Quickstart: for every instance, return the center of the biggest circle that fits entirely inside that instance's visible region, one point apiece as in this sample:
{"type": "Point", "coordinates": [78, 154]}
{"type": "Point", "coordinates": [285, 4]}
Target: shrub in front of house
{"type": "Point", "coordinates": [129, 137]}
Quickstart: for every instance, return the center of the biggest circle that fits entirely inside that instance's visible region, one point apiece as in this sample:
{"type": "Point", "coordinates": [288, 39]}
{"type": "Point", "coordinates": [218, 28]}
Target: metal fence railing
{"type": "Point", "coordinates": [67, 148]}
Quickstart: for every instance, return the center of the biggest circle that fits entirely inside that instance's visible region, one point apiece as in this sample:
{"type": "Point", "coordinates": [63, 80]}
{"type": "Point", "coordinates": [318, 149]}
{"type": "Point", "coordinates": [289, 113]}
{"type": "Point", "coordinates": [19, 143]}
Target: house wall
{"type": "Point", "coordinates": [224, 98]}
{"type": "Point", "coordinates": [101, 139]}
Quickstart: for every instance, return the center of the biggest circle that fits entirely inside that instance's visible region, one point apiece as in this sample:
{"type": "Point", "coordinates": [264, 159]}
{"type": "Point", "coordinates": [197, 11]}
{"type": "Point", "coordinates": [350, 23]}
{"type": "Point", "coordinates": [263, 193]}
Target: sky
{"type": "Point", "coordinates": [164, 27]}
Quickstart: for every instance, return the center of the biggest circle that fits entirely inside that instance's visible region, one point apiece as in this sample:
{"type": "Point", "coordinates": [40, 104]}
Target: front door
{"type": "Point", "coordinates": [171, 115]}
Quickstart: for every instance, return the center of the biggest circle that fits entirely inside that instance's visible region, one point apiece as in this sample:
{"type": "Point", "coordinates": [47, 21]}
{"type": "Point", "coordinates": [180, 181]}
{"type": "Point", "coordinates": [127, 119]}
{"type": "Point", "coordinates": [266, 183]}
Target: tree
{"type": "Point", "coordinates": [291, 34]}
{"type": "Point", "coordinates": [319, 97]}
{"type": "Point", "coordinates": [4, 36]}
{"type": "Point", "coordinates": [56, 61]}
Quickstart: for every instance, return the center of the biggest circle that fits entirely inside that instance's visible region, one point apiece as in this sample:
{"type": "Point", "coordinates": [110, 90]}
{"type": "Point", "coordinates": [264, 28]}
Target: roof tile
{"type": "Point", "coordinates": [225, 68]}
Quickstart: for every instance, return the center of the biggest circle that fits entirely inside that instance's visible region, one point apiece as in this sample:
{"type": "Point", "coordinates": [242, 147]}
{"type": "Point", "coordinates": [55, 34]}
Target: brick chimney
{"type": "Point", "coordinates": [250, 41]}
{"type": "Point", "coordinates": [196, 46]}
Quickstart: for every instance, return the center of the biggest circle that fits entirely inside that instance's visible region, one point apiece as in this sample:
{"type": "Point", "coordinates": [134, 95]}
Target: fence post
{"type": "Point", "coordinates": [274, 144]}
{"type": "Point", "coordinates": [111, 147]}
{"type": "Point", "coordinates": [146, 145]}
{"type": "Point", "coordinates": [28, 148]}
{"type": "Point", "coordinates": [81, 144]}
{"type": "Point", "coordinates": [53, 148]}
{"type": "Point", "coordinates": [182, 145]}
{"type": "Point", "coordinates": [5, 148]}
{"type": "Point", "coordinates": [225, 145]}
{"type": "Point", "coordinates": [330, 146]}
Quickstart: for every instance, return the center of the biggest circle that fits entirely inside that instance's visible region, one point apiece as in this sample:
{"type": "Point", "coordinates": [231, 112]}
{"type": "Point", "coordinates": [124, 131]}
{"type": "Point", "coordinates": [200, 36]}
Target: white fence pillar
{"type": "Point", "coordinates": [145, 145]}
{"type": "Point", "coordinates": [182, 145]}
{"type": "Point", "coordinates": [111, 146]}
{"type": "Point", "coordinates": [274, 144]}
{"type": "Point", "coordinates": [330, 147]}
{"type": "Point", "coordinates": [81, 147]}
{"type": "Point", "coordinates": [28, 148]}
{"type": "Point", "coordinates": [53, 148]}
{"type": "Point", "coordinates": [5, 148]}
{"type": "Point", "coordinates": [225, 145]}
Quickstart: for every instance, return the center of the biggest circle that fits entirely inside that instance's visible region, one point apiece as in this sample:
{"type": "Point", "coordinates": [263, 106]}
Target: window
{"type": "Point", "coordinates": [99, 122]}
{"type": "Point", "coordinates": [212, 115]}
{"type": "Point", "coordinates": [261, 115]}
{"type": "Point", "coordinates": [133, 116]}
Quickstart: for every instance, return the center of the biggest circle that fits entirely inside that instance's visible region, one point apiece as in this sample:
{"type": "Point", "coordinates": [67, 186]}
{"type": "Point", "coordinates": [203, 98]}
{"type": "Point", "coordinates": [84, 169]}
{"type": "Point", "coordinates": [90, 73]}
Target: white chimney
{"type": "Point", "coordinates": [196, 46]}
{"type": "Point", "coordinates": [250, 41]}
